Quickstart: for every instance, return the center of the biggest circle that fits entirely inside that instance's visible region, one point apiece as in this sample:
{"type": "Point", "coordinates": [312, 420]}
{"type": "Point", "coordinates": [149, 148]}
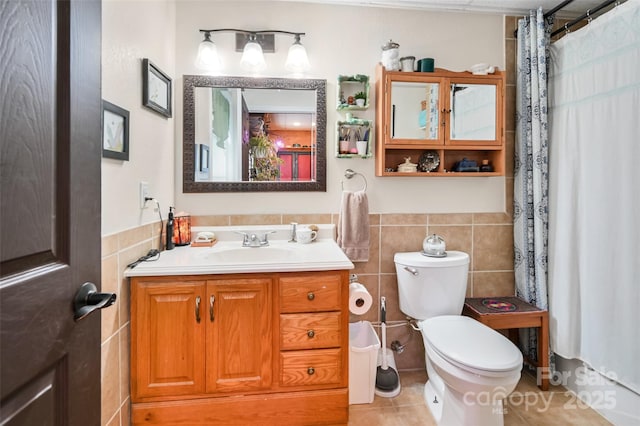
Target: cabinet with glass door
{"type": "Point", "coordinates": [448, 123]}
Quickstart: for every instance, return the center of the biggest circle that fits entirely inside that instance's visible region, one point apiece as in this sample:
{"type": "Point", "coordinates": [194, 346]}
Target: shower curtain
{"type": "Point", "coordinates": [530, 221]}
{"type": "Point", "coordinates": [594, 198]}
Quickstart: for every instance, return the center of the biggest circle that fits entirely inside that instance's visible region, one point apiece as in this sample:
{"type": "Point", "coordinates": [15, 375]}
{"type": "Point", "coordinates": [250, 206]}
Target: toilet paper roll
{"type": "Point", "coordinates": [359, 299]}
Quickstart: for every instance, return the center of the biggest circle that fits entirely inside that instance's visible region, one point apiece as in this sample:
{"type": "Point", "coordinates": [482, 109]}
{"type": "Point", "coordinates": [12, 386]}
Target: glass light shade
{"type": "Point", "coordinates": [252, 57]}
{"type": "Point", "coordinates": [208, 59]}
{"type": "Point", "coordinates": [297, 61]}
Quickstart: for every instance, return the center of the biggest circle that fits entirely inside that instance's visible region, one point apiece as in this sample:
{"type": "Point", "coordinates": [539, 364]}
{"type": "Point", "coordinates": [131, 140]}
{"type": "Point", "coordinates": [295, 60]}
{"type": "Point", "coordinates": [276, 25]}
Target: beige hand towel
{"type": "Point", "coordinates": [353, 226]}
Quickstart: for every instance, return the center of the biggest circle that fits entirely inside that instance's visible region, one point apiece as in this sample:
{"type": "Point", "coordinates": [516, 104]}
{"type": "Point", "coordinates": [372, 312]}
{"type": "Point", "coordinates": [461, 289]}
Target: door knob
{"type": "Point", "coordinates": [88, 299]}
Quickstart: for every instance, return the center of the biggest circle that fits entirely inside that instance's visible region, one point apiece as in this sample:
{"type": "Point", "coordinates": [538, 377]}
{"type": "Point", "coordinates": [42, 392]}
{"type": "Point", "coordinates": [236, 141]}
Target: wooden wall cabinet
{"type": "Point", "coordinates": [240, 349]}
{"type": "Point", "coordinates": [453, 115]}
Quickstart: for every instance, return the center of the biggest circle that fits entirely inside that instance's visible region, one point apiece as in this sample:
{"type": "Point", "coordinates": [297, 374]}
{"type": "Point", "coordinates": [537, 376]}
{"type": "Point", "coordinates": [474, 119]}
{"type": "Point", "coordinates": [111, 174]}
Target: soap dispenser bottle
{"type": "Point", "coordinates": [170, 244]}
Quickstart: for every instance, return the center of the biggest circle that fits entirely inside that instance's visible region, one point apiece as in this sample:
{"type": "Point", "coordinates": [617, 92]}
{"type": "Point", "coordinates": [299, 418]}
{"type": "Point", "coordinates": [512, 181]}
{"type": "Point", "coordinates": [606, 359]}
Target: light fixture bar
{"type": "Point", "coordinates": [253, 44]}
{"type": "Point", "coordinates": [267, 41]}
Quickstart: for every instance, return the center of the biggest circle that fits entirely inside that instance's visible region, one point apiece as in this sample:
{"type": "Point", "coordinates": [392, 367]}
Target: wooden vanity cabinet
{"type": "Point", "coordinates": [167, 339]}
{"type": "Point", "coordinates": [312, 329]}
{"type": "Point", "coordinates": [239, 334]}
{"type": "Point", "coordinates": [233, 349]}
{"type": "Point", "coordinates": [457, 115]}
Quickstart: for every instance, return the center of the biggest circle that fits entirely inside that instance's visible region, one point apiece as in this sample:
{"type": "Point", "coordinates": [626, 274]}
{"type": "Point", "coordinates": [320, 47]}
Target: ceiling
{"type": "Point", "coordinates": [506, 7]}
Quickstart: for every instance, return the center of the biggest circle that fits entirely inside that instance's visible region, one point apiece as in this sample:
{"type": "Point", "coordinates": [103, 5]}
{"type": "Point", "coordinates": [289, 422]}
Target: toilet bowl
{"type": "Point", "coordinates": [471, 367]}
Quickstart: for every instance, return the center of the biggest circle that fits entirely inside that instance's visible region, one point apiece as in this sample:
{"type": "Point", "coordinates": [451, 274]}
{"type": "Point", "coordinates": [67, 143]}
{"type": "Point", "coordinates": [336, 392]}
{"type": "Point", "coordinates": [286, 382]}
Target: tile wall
{"type": "Point", "coordinates": [118, 250]}
{"type": "Point", "coordinates": [487, 237]}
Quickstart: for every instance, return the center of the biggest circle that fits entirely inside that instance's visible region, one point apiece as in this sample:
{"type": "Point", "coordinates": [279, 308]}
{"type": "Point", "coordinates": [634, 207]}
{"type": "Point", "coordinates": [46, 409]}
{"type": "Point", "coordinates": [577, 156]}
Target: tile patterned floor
{"type": "Point", "coordinates": [527, 406]}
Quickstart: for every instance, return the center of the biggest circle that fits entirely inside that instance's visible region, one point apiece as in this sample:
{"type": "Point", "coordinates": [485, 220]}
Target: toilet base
{"type": "Point", "coordinates": [453, 409]}
{"type": "Point", "coordinates": [434, 403]}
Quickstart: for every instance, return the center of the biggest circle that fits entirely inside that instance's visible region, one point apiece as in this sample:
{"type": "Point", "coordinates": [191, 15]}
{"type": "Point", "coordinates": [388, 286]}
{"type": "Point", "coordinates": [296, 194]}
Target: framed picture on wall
{"type": "Point", "coordinates": [115, 131]}
{"type": "Point", "coordinates": [156, 88]}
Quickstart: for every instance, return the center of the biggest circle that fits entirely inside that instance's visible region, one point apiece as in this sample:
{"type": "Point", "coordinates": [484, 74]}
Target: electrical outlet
{"type": "Point", "coordinates": [144, 194]}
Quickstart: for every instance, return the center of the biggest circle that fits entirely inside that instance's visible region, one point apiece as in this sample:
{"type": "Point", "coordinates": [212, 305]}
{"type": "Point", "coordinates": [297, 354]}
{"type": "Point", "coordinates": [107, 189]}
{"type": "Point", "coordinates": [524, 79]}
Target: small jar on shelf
{"type": "Point", "coordinates": [486, 166]}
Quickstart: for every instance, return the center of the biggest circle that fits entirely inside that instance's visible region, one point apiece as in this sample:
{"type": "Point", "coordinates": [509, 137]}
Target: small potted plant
{"type": "Point", "coordinates": [360, 98]}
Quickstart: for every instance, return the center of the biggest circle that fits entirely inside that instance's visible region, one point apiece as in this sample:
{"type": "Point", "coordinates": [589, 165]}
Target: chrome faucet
{"type": "Point", "coordinates": [293, 232]}
{"type": "Point", "coordinates": [252, 240]}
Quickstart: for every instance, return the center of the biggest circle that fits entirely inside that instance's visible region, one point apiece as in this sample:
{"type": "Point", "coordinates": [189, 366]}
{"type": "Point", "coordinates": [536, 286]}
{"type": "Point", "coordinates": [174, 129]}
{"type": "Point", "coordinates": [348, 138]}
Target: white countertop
{"type": "Point", "coordinates": [228, 255]}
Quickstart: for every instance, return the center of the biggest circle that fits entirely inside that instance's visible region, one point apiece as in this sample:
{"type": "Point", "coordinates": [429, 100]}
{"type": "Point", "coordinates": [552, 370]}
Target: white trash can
{"type": "Point", "coordinates": [363, 352]}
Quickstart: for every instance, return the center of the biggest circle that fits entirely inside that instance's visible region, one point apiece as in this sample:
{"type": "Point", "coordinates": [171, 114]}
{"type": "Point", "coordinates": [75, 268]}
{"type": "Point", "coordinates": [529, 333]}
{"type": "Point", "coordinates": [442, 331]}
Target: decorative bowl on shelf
{"type": "Point", "coordinates": [429, 161]}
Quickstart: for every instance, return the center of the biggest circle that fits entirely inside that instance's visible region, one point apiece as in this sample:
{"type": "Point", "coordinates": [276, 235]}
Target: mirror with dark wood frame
{"type": "Point", "coordinates": [228, 119]}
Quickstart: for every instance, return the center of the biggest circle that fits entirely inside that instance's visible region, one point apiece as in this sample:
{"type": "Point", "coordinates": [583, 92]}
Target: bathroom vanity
{"type": "Point", "coordinates": [239, 335]}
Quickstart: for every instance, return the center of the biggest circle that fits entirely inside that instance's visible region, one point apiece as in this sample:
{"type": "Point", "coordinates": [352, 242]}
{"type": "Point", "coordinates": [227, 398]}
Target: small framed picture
{"type": "Point", "coordinates": [156, 88]}
{"type": "Point", "coordinates": [115, 131]}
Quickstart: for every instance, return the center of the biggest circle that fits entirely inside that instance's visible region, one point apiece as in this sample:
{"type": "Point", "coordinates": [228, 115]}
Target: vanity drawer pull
{"type": "Point", "coordinates": [311, 296]}
{"type": "Point", "coordinates": [311, 334]}
{"type": "Point", "coordinates": [198, 309]}
{"type": "Point", "coordinates": [311, 371]}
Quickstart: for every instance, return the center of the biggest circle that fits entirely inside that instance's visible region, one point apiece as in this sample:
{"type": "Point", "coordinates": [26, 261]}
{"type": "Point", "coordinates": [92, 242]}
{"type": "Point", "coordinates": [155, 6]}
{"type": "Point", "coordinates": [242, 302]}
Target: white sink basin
{"type": "Point", "coordinates": [228, 256]}
{"type": "Point", "coordinates": [252, 255]}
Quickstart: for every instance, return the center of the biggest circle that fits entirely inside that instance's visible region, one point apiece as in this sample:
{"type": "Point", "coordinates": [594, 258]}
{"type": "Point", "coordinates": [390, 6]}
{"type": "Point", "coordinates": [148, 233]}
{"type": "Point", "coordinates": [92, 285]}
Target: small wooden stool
{"type": "Point", "coordinates": [512, 313]}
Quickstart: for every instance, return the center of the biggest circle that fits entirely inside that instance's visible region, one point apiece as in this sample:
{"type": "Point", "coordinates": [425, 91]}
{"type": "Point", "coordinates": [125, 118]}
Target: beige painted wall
{"type": "Point", "coordinates": [343, 40]}
{"type": "Point", "coordinates": [131, 31]}
{"type": "Point", "coordinates": [340, 40]}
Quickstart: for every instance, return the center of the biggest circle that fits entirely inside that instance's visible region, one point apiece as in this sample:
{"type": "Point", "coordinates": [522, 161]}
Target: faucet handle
{"type": "Point", "coordinates": [265, 240]}
{"type": "Point", "coordinates": [245, 237]}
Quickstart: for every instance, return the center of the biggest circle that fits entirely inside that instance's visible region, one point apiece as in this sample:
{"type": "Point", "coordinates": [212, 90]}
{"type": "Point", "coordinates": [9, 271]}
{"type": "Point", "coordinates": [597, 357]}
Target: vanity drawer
{"type": "Point", "coordinates": [310, 331]}
{"type": "Point", "coordinates": [310, 293]}
{"type": "Point", "coordinates": [315, 367]}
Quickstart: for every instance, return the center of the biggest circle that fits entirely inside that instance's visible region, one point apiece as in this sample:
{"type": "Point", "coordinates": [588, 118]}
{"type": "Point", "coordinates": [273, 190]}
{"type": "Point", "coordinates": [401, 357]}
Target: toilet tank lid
{"type": "Point", "coordinates": [416, 258]}
{"type": "Point", "coordinates": [467, 342]}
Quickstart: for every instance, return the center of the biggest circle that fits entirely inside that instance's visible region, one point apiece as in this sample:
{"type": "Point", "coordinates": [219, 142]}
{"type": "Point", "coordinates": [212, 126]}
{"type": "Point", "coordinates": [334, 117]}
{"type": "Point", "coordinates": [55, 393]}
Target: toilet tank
{"type": "Point", "coordinates": [431, 286]}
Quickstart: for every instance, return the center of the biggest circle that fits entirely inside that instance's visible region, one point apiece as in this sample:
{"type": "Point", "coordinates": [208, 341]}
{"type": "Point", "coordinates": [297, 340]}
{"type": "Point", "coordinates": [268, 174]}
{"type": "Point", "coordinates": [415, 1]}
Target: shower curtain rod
{"type": "Point", "coordinates": [549, 13]}
{"type": "Point", "coordinates": [560, 6]}
{"type": "Point", "coordinates": [587, 14]}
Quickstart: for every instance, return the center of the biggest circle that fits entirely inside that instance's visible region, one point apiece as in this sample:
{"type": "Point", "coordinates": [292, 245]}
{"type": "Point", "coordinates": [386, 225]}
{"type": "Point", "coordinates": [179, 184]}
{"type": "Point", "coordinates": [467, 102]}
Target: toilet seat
{"type": "Point", "coordinates": [470, 345]}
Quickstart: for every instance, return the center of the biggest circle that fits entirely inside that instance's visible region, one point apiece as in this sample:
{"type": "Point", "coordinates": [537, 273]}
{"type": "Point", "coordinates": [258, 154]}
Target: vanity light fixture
{"type": "Point", "coordinates": [252, 53]}
{"type": "Point", "coordinates": [252, 57]}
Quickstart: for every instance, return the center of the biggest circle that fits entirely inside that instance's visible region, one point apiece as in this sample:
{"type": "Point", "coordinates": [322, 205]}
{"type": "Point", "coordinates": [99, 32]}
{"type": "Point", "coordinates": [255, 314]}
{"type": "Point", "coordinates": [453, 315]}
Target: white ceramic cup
{"type": "Point", "coordinates": [305, 235]}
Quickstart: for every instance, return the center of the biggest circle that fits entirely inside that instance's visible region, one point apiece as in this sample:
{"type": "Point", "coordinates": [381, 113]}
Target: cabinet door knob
{"type": "Point", "coordinates": [198, 309]}
{"type": "Point", "coordinates": [311, 371]}
{"type": "Point", "coordinates": [212, 300]}
{"type": "Point", "coordinates": [311, 296]}
{"type": "Point", "coordinates": [311, 333]}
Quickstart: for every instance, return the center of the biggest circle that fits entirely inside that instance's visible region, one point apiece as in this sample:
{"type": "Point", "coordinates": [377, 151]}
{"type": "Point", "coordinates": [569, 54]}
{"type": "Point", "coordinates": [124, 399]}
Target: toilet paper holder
{"type": "Point", "coordinates": [353, 278]}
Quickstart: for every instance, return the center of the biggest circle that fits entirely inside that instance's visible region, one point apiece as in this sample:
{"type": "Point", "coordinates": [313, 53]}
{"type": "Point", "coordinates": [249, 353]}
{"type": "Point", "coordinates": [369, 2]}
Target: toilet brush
{"type": "Point", "coordinates": [386, 376]}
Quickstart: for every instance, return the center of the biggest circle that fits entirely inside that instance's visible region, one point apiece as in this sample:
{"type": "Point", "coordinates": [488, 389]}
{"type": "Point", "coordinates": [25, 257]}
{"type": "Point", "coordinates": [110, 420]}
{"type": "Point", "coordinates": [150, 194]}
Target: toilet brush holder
{"type": "Point", "coordinates": [392, 364]}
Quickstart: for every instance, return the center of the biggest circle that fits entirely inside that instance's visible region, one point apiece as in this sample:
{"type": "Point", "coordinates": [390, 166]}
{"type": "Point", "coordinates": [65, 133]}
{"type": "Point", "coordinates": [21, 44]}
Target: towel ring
{"type": "Point", "coordinates": [350, 173]}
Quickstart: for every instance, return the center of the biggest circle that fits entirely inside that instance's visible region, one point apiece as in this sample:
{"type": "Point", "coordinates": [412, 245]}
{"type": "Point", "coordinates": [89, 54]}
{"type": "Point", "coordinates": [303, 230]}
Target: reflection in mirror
{"type": "Point", "coordinates": [275, 128]}
{"type": "Point", "coordinates": [473, 112]}
{"type": "Point", "coordinates": [414, 110]}
{"type": "Point", "coordinates": [251, 134]}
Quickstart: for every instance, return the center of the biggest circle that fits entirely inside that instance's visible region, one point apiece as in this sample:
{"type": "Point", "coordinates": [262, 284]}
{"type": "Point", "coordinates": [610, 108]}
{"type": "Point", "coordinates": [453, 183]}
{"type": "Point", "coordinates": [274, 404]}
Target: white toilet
{"type": "Point", "coordinates": [471, 367]}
